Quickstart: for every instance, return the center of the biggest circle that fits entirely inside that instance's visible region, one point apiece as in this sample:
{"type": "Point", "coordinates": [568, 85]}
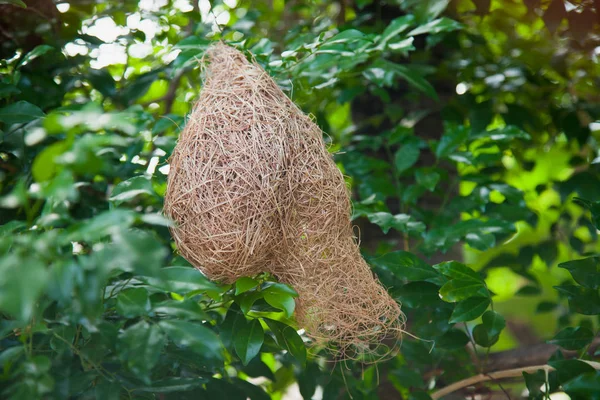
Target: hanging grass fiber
{"type": "Point", "coordinates": [252, 188]}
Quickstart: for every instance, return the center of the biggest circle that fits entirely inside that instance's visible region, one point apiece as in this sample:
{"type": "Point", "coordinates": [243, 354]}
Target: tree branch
{"type": "Point", "coordinates": [530, 355]}
{"type": "Point", "coordinates": [509, 373]}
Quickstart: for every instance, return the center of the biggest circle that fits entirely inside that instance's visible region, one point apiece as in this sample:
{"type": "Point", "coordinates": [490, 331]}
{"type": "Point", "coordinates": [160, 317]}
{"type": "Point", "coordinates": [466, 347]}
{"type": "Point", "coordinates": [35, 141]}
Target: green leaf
{"type": "Point", "coordinates": [44, 166]}
{"type": "Point", "coordinates": [569, 369]}
{"type": "Point", "coordinates": [427, 178]}
{"type": "Point", "coordinates": [506, 133]}
{"type": "Point", "coordinates": [482, 337]}
{"type": "Point", "coordinates": [33, 54]}
{"type": "Point", "coordinates": [244, 284]}
{"type": "Point", "coordinates": [10, 355]}
{"type": "Point", "coordinates": [226, 332]}
{"type": "Point", "coordinates": [182, 280]}
{"type": "Point", "coordinates": [137, 251]}
{"type": "Point", "coordinates": [20, 112]}
{"type": "Point", "coordinates": [195, 337]}
{"type": "Point", "coordinates": [22, 280]}
{"type": "Point", "coordinates": [132, 188]}
{"type": "Point", "coordinates": [450, 141]}
{"type": "Point", "coordinates": [280, 296]}
{"type": "Point", "coordinates": [456, 270]}
{"type": "Point", "coordinates": [223, 389]}
{"type": "Point", "coordinates": [534, 382]}
{"type": "Point", "coordinates": [102, 81]}
{"type": "Point", "coordinates": [280, 301]}
{"type": "Point", "coordinates": [102, 225]}
{"type": "Point", "coordinates": [248, 339]}
{"type": "Point", "coordinates": [196, 43]}
{"type": "Point", "coordinates": [396, 27]}
{"type": "Point", "coordinates": [408, 377]}
{"type": "Point", "coordinates": [573, 338]}
{"type": "Point", "coordinates": [419, 395]}
{"type": "Point", "coordinates": [406, 265]}
{"type": "Point", "coordinates": [400, 222]}
{"type": "Point", "coordinates": [133, 302]}
{"type": "Point", "coordinates": [252, 392]}
{"type": "Point", "coordinates": [458, 289]}
{"type": "Point", "coordinates": [545, 306]}
{"type": "Point", "coordinates": [585, 385]}
{"type": "Point", "coordinates": [419, 294]}
{"type": "Point", "coordinates": [406, 157]}
{"type": "Point", "coordinates": [452, 340]}
{"type": "Point", "coordinates": [436, 26]}
{"type": "Point", "coordinates": [529, 290]}
{"type": "Point", "coordinates": [593, 206]}
{"type": "Point", "coordinates": [106, 390]}
{"type": "Point", "coordinates": [7, 90]}
{"type": "Point", "coordinates": [383, 73]}
{"type": "Point", "coordinates": [139, 346]}
{"type": "Point", "coordinates": [494, 323]}
{"type": "Point", "coordinates": [186, 309]}
{"type": "Point", "coordinates": [581, 300]}
{"type": "Point", "coordinates": [414, 77]}
{"type": "Point", "coordinates": [288, 338]}
{"type": "Point", "coordinates": [18, 3]}
{"type": "Point", "coordinates": [469, 309]}
{"type": "Point", "coordinates": [586, 271]}
{"type": "Point", "coordinates": [248, 300]}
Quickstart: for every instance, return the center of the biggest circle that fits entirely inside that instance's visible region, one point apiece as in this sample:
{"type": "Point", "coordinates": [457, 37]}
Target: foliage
{"type": "Point", "coordinates": [467, 130]}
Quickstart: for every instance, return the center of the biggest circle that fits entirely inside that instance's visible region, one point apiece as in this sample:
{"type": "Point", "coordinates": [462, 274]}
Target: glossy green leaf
{"type": "Point", "coordinates": [20, 112]}
{"type": "Point", "coordinates": [399, 222]}
{"type": "Point", "coordinates": [458, 289]}
{"type": "Point", "coordinates": [419, 294]}
{"type": "Point", "coordinates": [389, 37]}
{"type": "Point", "coordinates": [436, 26]}
{"type": "Point", "coordinates": [406, 157]}
{"type": "Point", "coordinates": [132, 188]}
{"type": "Point", "coordinates": [427, 178]}
{"type": "Point", "coordinates": [586, 271]}
{"type": "Point", "coordinates": [35, 53]}
{"type": "Point", "coordinates": [456, 270]}
{"type": "Point", "coordinates": [593, 206]}
{"type": "Point", "coordinates": [288, 338]}
{"type": "Point", "coordinates": [195, 337]}
{"type": "Point", "coordinates": [469, 309]}
{"type": "Point", "coordinates": [22, 280]}
{"type": "Point", "coordinates": [248, 338]}
{"type": "Point", "coordinates": [584, 385]}
{"type": "Point", "coordinates": [140, 346]}
{"type": "Point", "coordinates": [569, 369]}
{"type": "Point", "coordinates": [581, 300]}
{"type": "Point", "coordinates": [133, 302]}
{"type": "Point", "coordinates": [573, 338]}
{"type": "Point", "coordinates": [452, 340]}
{"type": "Point", "coordinates": [186, 309]}
{"type": "Point", "coordinates": [280, 296]}
{"type": "Point", "coordinates": [18, 3]}
{"type": "Point", "coordinates": [244, 284]}
{"type": "Point", "coordinates": [182, 280]}
{"type": "Point", "coordinates": [406, 265]}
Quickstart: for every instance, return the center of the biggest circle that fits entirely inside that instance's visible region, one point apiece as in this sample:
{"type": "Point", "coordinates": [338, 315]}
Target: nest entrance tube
{"type": "Point", "coordinates": [252, 188]}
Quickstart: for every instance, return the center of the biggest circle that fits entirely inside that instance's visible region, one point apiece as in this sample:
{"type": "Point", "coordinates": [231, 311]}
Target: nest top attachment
{"type": "Point", "coordinates": [252, 188]}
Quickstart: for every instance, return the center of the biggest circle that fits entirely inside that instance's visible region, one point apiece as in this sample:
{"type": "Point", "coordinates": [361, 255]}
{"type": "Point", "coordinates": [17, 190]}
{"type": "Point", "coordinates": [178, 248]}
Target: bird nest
{"type": "Point", "coordinates": [252, 189]}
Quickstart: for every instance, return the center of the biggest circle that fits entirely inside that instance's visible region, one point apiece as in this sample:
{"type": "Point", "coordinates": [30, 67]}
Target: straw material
{"type": "Point", "coordinates": [252, 188]}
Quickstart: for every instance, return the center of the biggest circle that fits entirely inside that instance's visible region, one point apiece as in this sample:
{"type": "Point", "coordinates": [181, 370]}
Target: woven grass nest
{"type": "Point", "coordinates": [252, 189]}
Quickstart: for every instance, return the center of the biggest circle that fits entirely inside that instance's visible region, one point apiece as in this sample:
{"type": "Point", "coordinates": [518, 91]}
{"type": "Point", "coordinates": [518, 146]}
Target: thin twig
{"type": "Point", "coordinates": [509, 373]}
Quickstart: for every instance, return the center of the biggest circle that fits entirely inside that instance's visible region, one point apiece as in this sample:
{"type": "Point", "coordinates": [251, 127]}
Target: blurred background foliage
{"type": "Point", "coordinates": [467, 129]}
